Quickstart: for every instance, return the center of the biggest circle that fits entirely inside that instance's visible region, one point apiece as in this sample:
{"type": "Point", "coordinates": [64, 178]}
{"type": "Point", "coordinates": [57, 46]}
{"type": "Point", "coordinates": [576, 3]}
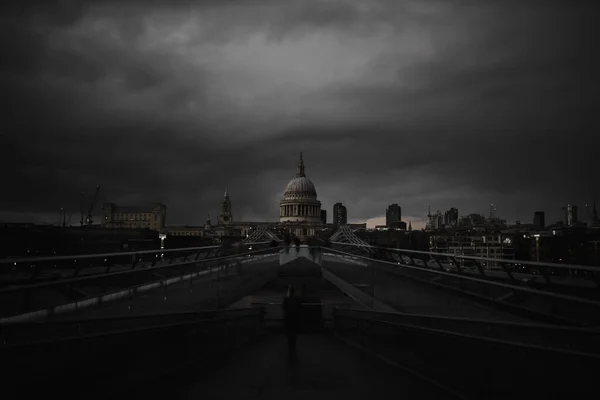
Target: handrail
{"type": "Point", "coordinates": [129, 271]}
{"type": "Point", "coordinates": [106, 255]}
{"type": "Point", "coordinates": [559, 306]}
{"type": "Point", "coordinates": [477, 280]}
{"type": "Point", "coordinates": [476, 258]}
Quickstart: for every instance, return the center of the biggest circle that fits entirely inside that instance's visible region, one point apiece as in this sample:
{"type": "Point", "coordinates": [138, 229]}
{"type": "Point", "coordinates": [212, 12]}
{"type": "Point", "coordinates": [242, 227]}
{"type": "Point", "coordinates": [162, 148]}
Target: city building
{"type": "Point", "coordinates": [185, 231]}
{"type": "Point", "coordinates": [472, 220]}
{"type": "Point", "coordinates": [324, 217]}
{"type": "Point", "coordinates": [300, 210]}
{"type": "Point", "coordinates": [451, 218]}
{"type": "Point", "coordinates": [393, 216]}
{"type": "Point", "coordinates": [340, 214]}
{"type": "Point", "coordinates": [594, 220]}
{"type": "Point", "coordinates": [150, 217]}
{"type": "Point", "coordinates": [225, 217]}
{"type": "Point", "coordinates": [435, 222]}
{"type": "Point", "coordinates": [539, 220]}
{"type": "Point", "coordinates": [487, 246]}
{"type": "Point", "coordinates": [570, 215]}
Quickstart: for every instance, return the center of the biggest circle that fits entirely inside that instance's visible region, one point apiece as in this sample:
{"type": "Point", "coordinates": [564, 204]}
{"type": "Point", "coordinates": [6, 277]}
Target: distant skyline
{"type": "Point", "coordinates": [418, 222]}
{"type": "Point", "coordinates": [421, 102]}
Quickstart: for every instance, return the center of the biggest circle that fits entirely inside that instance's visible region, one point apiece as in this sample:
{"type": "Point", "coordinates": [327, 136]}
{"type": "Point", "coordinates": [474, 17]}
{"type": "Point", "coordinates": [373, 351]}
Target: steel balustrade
{"type": "Point", "coordinates": [545, 300]}
{"type": "Point", "coordinates": [262, 233]}
{"type": "Point", "coordinates": [578, 306]}
{"type": "Point", "coordinates": [550, 272]}
{"type": "Point", "coordinates": [28, 269]}
{"type": "Point", "coordinates": [80, 290]}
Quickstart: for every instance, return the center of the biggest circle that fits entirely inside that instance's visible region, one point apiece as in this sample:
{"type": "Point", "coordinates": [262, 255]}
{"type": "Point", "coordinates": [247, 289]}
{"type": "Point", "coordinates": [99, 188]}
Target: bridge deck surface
{"type": "Point", "coordinates": [401, 293]}
{"type": "Point", "coordinates": [326, 369]}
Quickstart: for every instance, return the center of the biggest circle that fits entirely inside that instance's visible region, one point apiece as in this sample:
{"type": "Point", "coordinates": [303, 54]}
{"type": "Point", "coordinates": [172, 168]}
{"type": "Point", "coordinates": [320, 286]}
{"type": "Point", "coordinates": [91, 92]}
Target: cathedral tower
{"type": "Point", "coordinates": [225, 217]}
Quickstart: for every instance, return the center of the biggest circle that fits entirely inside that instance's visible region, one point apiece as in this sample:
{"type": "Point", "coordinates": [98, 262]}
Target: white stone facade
{"type": "Point", "coordinates": [300, 204]}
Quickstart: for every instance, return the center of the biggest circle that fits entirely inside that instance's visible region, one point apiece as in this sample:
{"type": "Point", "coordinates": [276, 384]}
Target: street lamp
{"type": "Point", "coordinates": [537, 246]}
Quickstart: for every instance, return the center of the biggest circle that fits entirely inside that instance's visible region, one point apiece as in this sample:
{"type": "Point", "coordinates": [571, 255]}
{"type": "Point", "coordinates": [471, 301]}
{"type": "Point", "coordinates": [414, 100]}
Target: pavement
{"type": "Point", "coordinates": [326, 369]}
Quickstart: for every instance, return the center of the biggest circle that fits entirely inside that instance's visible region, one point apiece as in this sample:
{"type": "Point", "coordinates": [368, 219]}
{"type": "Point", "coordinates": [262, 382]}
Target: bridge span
{"type": "Point", "coordinates": [207, 322]}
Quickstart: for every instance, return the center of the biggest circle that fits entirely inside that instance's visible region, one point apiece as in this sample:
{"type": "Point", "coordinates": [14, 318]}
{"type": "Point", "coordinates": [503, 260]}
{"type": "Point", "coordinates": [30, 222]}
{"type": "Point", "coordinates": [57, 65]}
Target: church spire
{"type": "Point", "coordinates": [226, 193]}
{"type": "Point", "coordinates": [300, 167]}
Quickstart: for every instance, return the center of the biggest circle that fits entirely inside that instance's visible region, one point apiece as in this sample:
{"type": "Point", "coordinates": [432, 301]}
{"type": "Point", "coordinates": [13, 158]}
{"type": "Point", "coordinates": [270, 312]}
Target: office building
{"type": "Point", "coordinates": [150, 217]}
{"type": "Point", "coordinates": [451, 218]}
{"type": "Point", "coordinates": [539, 220]}
{"type": "Point", "coordinates": [570, 215]}
{"type": "Point", "coordinates": [393, 216]}
{"type": "Point", "coordinates": [340, 214]}
{"type": "Point", "coordinates": [324, 216]}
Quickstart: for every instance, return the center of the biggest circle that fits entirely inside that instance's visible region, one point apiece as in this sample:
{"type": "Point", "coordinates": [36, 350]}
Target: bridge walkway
{"type": "Point", "coordinates": [239, 356]}
{"type": "Point", "coordinates": [326, 368]}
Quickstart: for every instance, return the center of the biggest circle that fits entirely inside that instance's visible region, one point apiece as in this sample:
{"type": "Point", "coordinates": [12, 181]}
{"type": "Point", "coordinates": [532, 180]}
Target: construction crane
{"type": "Point", "coordinates": [81, 221]}
{"type": "Point", "coordinates": [492, 212]}
{"type": "Point", "coordinates": [88, 219]}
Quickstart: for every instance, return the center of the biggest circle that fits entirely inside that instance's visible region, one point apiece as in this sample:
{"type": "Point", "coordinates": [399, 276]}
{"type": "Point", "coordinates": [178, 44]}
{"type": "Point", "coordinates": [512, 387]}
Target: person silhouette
{"type": "Point", "coordinates": [292, 313]}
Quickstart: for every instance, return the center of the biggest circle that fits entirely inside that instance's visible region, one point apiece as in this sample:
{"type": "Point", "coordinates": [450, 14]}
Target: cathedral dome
{"type": "Point", "coordinates": [300, 187]}
{"type": "Point", "coordinates": [300, 206]}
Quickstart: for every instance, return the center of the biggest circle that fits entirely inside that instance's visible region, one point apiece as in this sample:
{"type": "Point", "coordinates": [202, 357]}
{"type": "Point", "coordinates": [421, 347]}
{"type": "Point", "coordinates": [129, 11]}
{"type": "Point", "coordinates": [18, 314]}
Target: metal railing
{"type": "Point", "coordinates": [22, 271]}
{"type": "Point", "coordinates": [470, 366]}
{"type": "Point", "coordinates": [545, 302]}
{"type": "Point", "coordinates": [531, 272]}
{"type": "Point", "coordinates": [24, 302]}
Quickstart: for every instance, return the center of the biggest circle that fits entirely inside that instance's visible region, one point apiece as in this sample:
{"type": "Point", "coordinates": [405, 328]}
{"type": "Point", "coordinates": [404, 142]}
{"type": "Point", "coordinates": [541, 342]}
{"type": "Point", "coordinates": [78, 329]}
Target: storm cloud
{"type": "Point", "coordinates": [442, 103]}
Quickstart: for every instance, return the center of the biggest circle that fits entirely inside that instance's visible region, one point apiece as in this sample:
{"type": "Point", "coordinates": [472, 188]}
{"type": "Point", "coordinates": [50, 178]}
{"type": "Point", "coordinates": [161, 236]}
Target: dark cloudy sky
{"type": "Point", "coordinates": [441, 102]}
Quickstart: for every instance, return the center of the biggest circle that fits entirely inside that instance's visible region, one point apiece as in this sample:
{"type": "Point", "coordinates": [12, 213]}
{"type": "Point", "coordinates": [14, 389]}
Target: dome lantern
{"type": "Point", "coordinates": [300, 172]}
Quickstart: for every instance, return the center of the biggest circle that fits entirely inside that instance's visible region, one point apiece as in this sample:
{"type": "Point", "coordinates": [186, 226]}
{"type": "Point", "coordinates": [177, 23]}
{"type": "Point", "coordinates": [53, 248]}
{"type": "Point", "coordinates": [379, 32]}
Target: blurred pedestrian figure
{"type": "Point", "coordinates": [292, 315]}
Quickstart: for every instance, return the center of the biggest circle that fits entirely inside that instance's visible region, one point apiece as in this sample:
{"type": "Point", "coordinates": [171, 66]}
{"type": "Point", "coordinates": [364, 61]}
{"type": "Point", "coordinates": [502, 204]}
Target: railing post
{"type": "Point", "coordinates": [440, 266]}
{"type": "Point", "coordinates": [459, 266]}
{"type": "Point", "coordinates": [218, 285]}
{"type": "Point", "coordinates": [546, 275]}
{"type": "Point", "coordinates": [480, 268]}
{"type": "Point", "coordinates": [508, 272]}
{"type": "Point", "coordinates": [134, 260]}
{"type": "Point", "coordinates": [78, 268]}
{"type": "Point", "coordinates": [108, 264]}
